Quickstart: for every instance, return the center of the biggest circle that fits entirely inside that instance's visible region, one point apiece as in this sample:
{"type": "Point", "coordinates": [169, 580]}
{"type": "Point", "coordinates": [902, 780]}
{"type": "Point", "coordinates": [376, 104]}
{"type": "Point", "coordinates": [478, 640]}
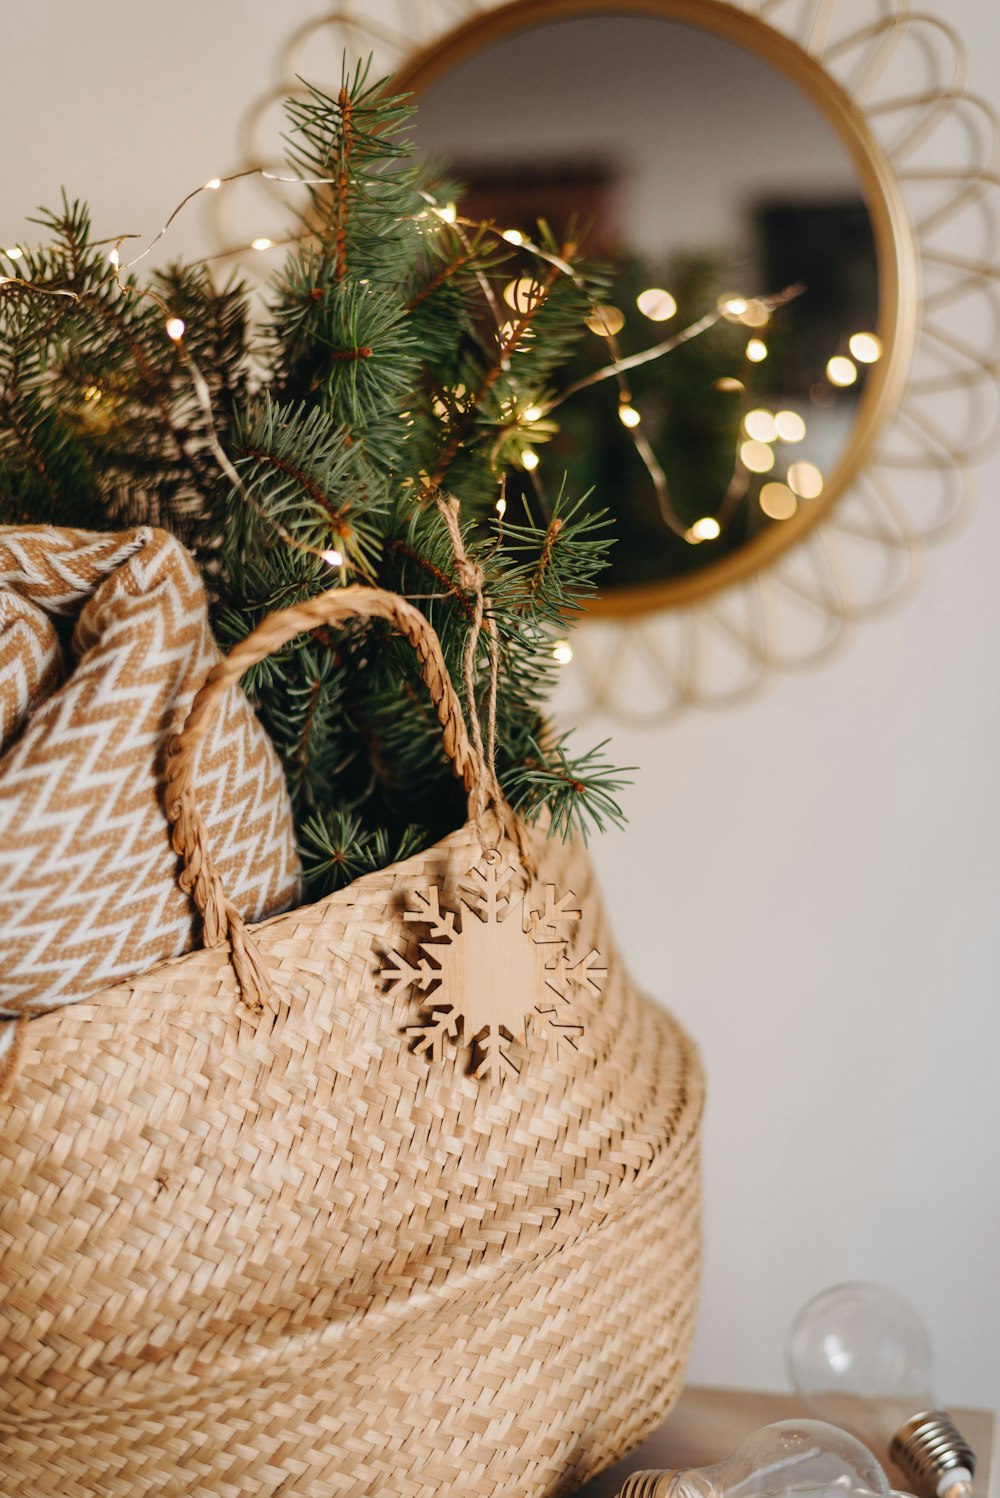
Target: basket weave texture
{"type": "Point", "coordinates": [277, 1252]}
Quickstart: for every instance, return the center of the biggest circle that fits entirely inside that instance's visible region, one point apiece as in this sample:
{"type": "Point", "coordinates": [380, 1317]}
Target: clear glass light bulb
{"type": "Point", "coordinates": [792, 1456]}
{"type": "Point", "coordinates": [859, 1355]}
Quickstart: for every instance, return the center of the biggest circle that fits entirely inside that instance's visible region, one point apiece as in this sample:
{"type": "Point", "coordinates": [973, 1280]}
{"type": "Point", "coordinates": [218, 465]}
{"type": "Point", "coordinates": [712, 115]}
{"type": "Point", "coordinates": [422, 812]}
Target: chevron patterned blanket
{"type": "Point", "coordinates": [104, 640]}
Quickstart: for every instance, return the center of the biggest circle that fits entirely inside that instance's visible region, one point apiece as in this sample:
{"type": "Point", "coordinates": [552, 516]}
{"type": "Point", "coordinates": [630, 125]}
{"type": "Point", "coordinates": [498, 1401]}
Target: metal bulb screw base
{"type": "Point", "coordinates": [645, 1484]}
{"type": "Point", "coordinates": [933, 1454]}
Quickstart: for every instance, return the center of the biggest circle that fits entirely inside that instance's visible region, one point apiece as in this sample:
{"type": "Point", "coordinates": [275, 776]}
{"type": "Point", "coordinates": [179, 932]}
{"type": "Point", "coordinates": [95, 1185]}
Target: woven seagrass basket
{"type": "Point", "coordinates": [252, 1243]}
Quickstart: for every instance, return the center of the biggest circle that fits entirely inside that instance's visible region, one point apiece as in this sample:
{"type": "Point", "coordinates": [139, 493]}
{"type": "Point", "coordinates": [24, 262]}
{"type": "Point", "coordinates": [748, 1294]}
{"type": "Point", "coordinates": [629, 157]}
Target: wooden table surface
{"type": "Point", "coordinates": [708, 1424]}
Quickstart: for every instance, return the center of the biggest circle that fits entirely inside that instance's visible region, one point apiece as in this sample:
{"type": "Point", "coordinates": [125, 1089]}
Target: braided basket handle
{"type": "Point", "coordinates": [199, 876]}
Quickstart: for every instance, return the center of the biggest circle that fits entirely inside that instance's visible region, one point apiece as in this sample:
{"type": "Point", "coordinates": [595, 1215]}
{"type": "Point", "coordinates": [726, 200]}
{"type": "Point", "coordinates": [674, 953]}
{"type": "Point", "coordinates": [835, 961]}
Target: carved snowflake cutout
{"type": "Point", "coordinates": [495, 973]}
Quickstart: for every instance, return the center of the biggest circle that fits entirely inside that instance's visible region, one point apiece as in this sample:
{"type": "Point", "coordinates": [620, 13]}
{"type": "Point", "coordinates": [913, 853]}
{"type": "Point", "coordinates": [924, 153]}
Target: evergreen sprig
{"type": "Point", "coordinates": [336, 849]}
{"type": "Point", "coordinates": [577, 791]}
{"type": "Point", "coordinates": [376, 383]}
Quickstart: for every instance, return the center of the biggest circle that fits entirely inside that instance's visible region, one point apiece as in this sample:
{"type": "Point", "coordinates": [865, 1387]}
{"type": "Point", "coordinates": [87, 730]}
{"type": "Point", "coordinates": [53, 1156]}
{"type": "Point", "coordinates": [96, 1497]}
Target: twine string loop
{"type": "Point", "coordinates": [221, 920]}
{"type": "Point", "coordinates": [488, 796]}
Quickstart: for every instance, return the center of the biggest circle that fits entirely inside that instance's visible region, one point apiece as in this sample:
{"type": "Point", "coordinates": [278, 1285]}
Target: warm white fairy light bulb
{"type": "Point", "coordinates": [760, 425]}
{"type": "Point", "coordinates": [213, 184]}
{"type": "Point", "coordinates": [531, 413]}
{"type": "Point", "coordinates": [756, 456]}
{"type": "Point", "coordinates": [628, 415]}
{"type": "Point", "coordinates": [115, 258]}
{"type": "Point", "coordinates": [805, 480]}
{"type": "Point", "coordinates": [175, 328]}
{"type": "Point", "coordinates": [529, 459]}
{"type": "Point", "coordinates": [332, 557]}
{"type": "Point", "coordinates": [777, 501]}
{"type": "Point", "coordinates": [261, 243]}
{"type": "Point", "coordinates": [562, 651]}
{"type": "Point", "coordinates": [448, 214]}
{"type": "Point", "coordinates": [656, 304]}
{"type": "Point", "coordinates": [789, 426]}
{"type": "Point", "coordinates": [15, 252]}
{"type": "Point", "coordinates": [501, 507]}
{"type": "Point", "coordinates": [756, 350]}
{"type": "Point", "coordinates": [732, 307]}
{"type": "Point", "coordinates": [859, 1354]}
{"type": "Point", "coordinates": [865, 347]}
{"type": "Point", "coordinates": [705, 529]}
{"type": "Point", "coordinates": [757, 314]}
{"type": "Point", "coordinates": [524, 294]}
{"type": "Point", "coordinates": [605, 321]}
{"type": "Point", "coordinates": [791, 1456]}
{"type": "Point", "coordinates": [841, 371]}
{"type": "Point", "coordinates": [513, 236]}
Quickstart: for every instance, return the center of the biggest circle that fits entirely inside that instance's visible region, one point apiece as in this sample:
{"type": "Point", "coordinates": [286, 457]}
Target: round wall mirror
{"type": "Point", "coordinates": [720, 148]}
{"type": "Point", "coordinates": [724, 179]}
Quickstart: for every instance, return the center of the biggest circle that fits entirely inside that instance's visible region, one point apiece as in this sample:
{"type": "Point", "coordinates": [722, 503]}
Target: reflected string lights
{"type": "Point", "coordinates": [762, 429]}
{"type": "Point", "coordinates": [865, 347]}
{"type": "Point", "coordinates": [656, 304]}
{"type": "Point", "coordinates": [523, 295]}
{"type": "Point", "coordinates": [757, 457]}
{"type": "Point", "coordinates": [805, 480]}
{"type": "Point", "coordinates": [841, 371]}
{"type": "Point", "coordinates": [789, 426]}
{"type": "Point", "coordinates": [760, 425]}
{"type": "Point", "coordinates": [705, 529]}
{"type": "Point", "coordinates": [777, 501]}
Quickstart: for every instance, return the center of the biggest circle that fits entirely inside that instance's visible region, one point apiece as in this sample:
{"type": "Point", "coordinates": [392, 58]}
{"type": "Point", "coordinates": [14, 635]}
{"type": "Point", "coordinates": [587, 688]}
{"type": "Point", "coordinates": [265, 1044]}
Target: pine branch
{"type": "Point", "coordinates": [298, 473]}
{"type": "Point", "coordinates": [379, 378]}
{"type": "Point", "coordinates": [578, 793]}
{"type": "Point", "coordinates": [555, 567]}
{"type": "Point", "coordinates": [335, 849]}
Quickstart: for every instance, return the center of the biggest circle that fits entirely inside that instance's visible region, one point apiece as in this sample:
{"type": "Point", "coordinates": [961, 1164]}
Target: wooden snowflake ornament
{"type": "Point", "coordinates": [494, 973]}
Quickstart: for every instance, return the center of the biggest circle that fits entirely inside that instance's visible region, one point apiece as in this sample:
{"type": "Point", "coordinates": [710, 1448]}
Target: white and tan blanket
{"type": "Point", "coordinates": [104, 640]}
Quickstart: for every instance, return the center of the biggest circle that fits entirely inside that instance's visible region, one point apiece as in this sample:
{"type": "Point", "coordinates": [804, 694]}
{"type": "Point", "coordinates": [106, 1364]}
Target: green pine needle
{"type": "Point", "coordinates": [374, 383]}
{"type": "Point", "coordinates": [578, 793]}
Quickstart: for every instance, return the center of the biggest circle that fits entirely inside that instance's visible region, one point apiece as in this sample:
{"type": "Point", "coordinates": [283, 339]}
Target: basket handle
{"type": "Point", "coordinates": [199, 876]}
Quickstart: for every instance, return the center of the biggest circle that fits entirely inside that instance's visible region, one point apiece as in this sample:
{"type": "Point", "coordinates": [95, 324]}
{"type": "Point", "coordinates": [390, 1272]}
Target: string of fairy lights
{"type": "Point", "coordinates": [764, 433]}
{"type": "Point", "coordinates": [762, 429]}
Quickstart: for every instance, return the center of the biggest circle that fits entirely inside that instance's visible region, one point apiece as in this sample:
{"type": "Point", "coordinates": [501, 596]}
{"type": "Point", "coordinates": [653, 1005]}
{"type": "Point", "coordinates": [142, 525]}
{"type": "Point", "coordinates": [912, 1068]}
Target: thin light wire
{"type": "Point", "coordinates": [614, 370]}
{"type": "Point", "coordinates": [213, 185]}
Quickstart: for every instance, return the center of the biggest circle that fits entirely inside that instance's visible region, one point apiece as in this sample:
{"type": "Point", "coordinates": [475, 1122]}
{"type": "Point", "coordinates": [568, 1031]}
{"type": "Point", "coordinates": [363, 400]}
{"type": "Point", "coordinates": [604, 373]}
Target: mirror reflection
{"type": "Point", "coordinates": [717, 192]}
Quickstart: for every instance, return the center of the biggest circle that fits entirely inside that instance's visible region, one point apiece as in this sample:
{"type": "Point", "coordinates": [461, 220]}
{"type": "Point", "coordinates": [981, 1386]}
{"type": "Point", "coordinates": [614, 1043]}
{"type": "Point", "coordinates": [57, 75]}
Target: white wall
{"type": "Point", "coordinates": [810, 881]}
{"type": "Point", "coordinates": [645, 97]}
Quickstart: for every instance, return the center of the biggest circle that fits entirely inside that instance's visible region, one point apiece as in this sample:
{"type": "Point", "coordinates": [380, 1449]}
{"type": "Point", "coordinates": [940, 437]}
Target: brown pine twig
{"type": "Point", "coordinates": [446, 583]}
{"type": "Point", "coordinates": [443, 275]}
{"type": "Point", "coordinates": [302, 751]}
{"type": "Point", "coordinates": [548, 546]}
{"type": "Point", "coordinates": [343, 529]}
{"type": "Point", "coordinates": [346, 118]}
